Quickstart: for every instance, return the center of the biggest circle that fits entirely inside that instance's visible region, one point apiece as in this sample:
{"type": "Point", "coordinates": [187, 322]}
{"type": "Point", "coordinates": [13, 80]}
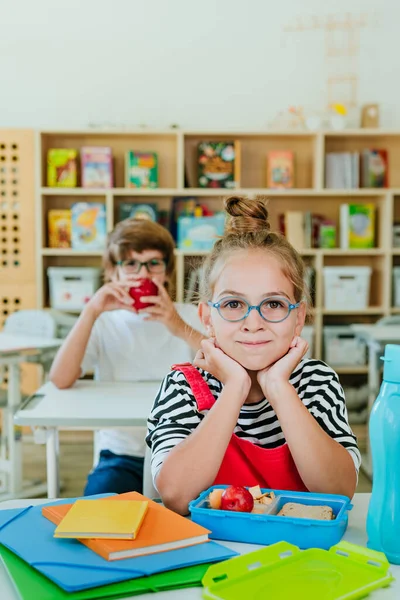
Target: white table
{"type": "Point", "coordinates": [14, 350]}
{"type": "Point", "coordinates": [86, 405]}
{"type": "Point", "coordinates": [355, 534]}
{"type": "Point", "coordinates": [376, 337]}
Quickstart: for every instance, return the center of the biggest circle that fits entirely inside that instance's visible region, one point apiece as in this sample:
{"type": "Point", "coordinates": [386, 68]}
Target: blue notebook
{"type": "Point", "coordinates": [74, 567]}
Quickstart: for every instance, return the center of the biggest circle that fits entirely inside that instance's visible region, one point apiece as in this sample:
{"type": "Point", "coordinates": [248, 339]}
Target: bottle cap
{"type": "Point", "coordinates": [391, 366]}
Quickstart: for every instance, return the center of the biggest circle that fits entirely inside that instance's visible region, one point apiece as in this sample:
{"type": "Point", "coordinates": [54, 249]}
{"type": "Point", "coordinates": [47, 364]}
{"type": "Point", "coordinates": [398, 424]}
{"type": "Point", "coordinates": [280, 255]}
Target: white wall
{"type": "Point", "coordinates": [201, 64]}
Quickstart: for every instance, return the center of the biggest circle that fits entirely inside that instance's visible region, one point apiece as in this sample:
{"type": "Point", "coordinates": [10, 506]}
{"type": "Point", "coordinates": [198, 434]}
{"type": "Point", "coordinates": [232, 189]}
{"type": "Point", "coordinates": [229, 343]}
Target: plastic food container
{"type": "Point", "coordinates": [269, 528]}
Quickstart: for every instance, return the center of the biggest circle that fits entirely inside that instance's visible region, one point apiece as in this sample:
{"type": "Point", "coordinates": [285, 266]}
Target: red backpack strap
{"type": "Point", "coordinates": [199, 387]}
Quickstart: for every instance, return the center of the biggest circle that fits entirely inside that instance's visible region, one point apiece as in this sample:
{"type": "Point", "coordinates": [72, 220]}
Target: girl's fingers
{"type": "Point", "coordinates": [152, 310]}
{"type": "Point", "coordinates": [152, 299]}
{"type": "Point", "coordinates": [161, 289]}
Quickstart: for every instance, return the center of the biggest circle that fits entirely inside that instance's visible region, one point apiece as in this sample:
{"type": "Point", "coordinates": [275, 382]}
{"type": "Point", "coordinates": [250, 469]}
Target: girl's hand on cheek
{"type": "Point", "coordinates": [271, 377]}
{"type": "Point", "coordinates": [212, 359]}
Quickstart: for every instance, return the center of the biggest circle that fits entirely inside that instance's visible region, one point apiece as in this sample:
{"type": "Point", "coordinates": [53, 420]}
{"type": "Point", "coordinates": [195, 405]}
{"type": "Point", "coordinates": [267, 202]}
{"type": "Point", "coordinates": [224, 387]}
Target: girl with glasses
{"type": "Point", "coordinates": [120, 343]}
{"type": "Point", "coordinates": [252, 409]}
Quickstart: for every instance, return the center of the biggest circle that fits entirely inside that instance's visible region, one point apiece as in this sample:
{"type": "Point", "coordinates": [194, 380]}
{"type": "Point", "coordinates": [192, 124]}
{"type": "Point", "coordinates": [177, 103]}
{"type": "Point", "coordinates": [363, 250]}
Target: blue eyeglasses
{"type": "Point", "coordinates": [273, 310]}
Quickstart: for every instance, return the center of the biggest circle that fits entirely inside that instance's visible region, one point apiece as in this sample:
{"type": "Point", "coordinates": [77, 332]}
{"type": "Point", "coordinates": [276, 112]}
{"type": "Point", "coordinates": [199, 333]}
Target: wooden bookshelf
{"type": "Point", "coordinates": [177, 157]}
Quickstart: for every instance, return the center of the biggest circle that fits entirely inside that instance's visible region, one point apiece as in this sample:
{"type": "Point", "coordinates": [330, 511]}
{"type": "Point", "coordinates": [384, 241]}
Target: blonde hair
{"type": "Point", "coordinates": [248, 228]}
{"type": "Point", "coordinates": [138, 235]}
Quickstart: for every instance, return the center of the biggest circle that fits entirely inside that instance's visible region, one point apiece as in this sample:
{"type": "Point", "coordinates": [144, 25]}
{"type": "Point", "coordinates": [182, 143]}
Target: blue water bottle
{"type": "Point", "coordinates": [383, 521]}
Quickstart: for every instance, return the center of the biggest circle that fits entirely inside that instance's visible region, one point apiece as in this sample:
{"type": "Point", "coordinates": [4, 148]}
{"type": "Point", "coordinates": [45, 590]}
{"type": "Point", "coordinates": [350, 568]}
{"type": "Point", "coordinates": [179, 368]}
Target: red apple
{"type": "Point", "coordinates": [146, 287]}
{"type": "Point", "coordinates": [237, 498]}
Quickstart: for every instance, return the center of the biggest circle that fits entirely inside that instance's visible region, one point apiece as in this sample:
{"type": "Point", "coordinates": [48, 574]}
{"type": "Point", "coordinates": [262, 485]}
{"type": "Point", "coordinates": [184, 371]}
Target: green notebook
{"type": "Point", "coordinates": [32, 584]}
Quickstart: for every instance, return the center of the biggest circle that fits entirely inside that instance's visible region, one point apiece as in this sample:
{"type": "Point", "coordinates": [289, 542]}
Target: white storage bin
{"type": "Point", "coordinates": [396, 286]}
{"type": "Point", "coordinates": [72, 287]}
{"type": "Point", "coordinates": [347, 287]}
{"type": "Point", "coordinates": [342, 347]}
{"type": "Point", "coordinates": [307, 333]}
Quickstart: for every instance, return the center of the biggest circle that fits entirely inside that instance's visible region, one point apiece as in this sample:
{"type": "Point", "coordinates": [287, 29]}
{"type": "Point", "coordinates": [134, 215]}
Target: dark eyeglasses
{"type": "Point", "coordinates": [132, 267]}
{"type": "Point", "coordinates": [273, 310]}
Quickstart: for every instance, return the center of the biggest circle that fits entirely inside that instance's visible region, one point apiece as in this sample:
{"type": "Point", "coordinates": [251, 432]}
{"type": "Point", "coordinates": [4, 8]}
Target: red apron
{"type": "Point", "coordinates": [245, 463]}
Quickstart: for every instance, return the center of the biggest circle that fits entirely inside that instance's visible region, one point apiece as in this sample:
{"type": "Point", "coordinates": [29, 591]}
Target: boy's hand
{"type": "Point", "coordinates": [111, 296]}
{"type": "Point", "coordinates": [272, 377]}
{"type": "Point", "coordinates": [163, 310]}
{"type": "Point", "coordinates": [212, 359]}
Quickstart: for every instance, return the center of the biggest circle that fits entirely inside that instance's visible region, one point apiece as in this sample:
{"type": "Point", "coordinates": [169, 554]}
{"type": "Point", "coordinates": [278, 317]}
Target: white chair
{"type": "Point", "coordinates": [392, 320]}
{"type": "Point", "coordinates": [35, 323]}
{"type": "Point", "coordinates": [148, 487]}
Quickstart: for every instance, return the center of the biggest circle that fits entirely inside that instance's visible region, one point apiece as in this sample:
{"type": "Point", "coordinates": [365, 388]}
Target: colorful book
{"type": "Point", "coordinates": [219, 164]}
{"type": "Point", "coordinates": [131, 210]}
{"type": "Point", "coordinates": [200, 233]}
{"type": "Point", "coordinates": [89, 227]}
{"type": "Point", "coordinates": [357, 226]}
{"type": "Point", "coordinates": [161, 530]}
{"type": "Point", "coordinates": [30, 583]}
{"type": "Point", "coordinates": [141, 169]}
{"type": "Point", "coordinates": [96, 167]}
{"type": "Point", "coordinates": [62, 167]}
{"type": "Point", "coordinates": [59, 228]}
{"type": "Point", "coordinates": [375, 169]}
{"type": "Point", "coordinates": [280, 169]}
{"type": "Point", "coordinates": [113, 520]}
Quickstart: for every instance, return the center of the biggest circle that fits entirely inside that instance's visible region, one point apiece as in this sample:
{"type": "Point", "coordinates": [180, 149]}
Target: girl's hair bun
{"type": "Point", "coordinates": [246, 215]}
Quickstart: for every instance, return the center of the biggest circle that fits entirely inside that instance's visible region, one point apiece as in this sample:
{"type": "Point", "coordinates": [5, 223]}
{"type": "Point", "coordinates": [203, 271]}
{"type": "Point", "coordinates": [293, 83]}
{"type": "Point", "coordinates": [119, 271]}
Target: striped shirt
{"type": "Point", "coordinates": [175, 415]}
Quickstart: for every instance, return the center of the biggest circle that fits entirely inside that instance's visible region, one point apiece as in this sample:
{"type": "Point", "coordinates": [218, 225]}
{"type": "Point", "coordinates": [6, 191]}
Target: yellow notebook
{"type": "Point", "coordinates": [105, 519]}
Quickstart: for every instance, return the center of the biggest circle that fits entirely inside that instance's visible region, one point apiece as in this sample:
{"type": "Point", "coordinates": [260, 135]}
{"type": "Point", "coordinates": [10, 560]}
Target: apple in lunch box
{"type": "Point", "coordinates": [145, 287]}
{"type": "Point", "coordinates": [237, 498]}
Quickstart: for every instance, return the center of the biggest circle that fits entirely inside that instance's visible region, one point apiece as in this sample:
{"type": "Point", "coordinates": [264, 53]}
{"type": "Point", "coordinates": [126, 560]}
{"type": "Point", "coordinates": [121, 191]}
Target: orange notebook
{"type": "Point", "coordinates": [161, 530]}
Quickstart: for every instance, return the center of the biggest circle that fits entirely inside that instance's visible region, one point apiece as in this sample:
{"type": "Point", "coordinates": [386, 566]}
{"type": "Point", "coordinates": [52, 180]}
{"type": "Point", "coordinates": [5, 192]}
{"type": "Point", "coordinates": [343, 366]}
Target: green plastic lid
{"type": "Point", "coordinates": [281, 570]}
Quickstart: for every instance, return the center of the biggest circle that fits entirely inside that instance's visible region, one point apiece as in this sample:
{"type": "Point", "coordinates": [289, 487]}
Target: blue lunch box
{"type": "Point", "coordinates": [269, 528]}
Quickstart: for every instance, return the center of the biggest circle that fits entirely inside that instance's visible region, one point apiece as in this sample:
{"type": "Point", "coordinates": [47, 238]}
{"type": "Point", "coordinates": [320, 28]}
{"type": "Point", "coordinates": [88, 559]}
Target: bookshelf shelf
{"type": "Point", "coordinates": [352, 370]}
{"type": "Point", "coordinates": [370, 310]}
{"type": "Point", "coordinates": [176, 151]}
{"type": "Point", "coordinates": [69, 252]}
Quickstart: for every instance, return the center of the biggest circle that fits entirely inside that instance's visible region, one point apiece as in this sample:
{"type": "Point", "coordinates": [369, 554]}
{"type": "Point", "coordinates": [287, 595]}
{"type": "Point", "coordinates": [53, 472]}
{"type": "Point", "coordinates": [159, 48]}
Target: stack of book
{"type": "Point", "coordinates": [350, 170]}
{"type": "Point", "coordinates": [102, 547]}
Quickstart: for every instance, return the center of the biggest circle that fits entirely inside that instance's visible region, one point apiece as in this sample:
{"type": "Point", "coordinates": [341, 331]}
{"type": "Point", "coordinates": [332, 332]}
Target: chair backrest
{"type": "Point", "coordinates": [36, 323]}
{"type": "Point", "coordinates": [391, 320]}
{"type": "Point", "coordinates": [148, 487]}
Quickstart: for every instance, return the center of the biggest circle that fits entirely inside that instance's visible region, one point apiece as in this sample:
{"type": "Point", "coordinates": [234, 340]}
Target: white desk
{"type": "Point", "coordinates": [376, 337]}
{"type": "Point", "coordinates": [14, 350]}
{"type": "Point", "coordinates": [86, 405]}
{"type": "Point", "coordinates": [355, 534]}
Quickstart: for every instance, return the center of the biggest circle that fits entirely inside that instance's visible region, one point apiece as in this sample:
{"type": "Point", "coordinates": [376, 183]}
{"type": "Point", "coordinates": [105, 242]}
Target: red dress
{"type": "Point", "coordinates": [245, 463]}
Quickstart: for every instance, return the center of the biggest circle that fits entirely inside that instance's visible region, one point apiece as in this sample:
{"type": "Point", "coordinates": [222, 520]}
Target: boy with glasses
{"type": "Point", "coordinates": [120, 343]}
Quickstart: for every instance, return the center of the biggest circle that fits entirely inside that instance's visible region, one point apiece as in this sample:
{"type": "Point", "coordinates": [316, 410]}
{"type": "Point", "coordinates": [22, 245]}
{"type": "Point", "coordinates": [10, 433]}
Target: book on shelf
{"type": "Point", "coordinates": [218, 164]}
{"type": "Point", "coordinates": [200, 233]}
{"type": "Point", "coordinates": [62, 167]}
{"type": "Point", "coordinates": [294, 228]}
{"type": "Point", "coordinates": [108, 520]}
{"type": "Point", "coordinates": [88, 226]}
{"type": "Point", "coordinates": [280, 169]}
{"type": "Point", "coordinates": [375, 168]}
{"type": "Point", "coordinates": [96, 167]}
{"type": "Point", "coordinates": [342, 170]}
{"type": "Point", "coordinates": [143, 210]}
{"type": "Point", "coordinates": [59, 228]}
{"type": "Point", "coordinates": [141, 169]}
{"type": "Point", "coordinates": [180, 206]}
{"type": "Point", "coordinates": [357, 226]}
{"type": "Point", "coordinates": [307, 230]}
